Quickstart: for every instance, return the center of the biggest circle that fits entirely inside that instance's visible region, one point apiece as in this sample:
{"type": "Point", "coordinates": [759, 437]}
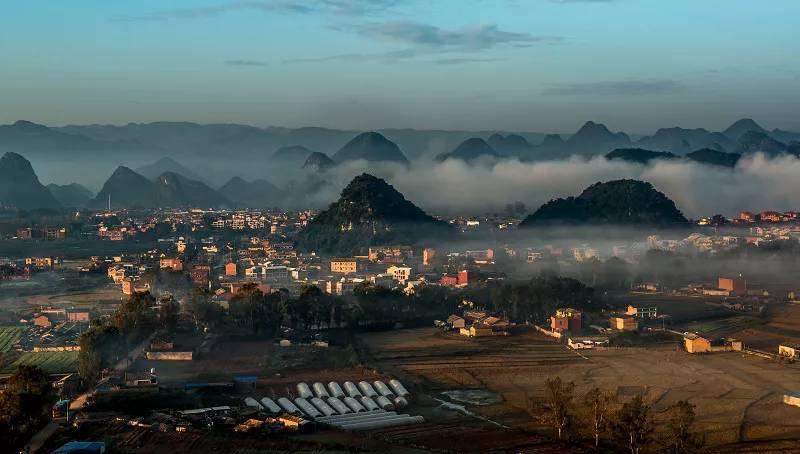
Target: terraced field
{"type": "Point", "coordinates": [9, 335]}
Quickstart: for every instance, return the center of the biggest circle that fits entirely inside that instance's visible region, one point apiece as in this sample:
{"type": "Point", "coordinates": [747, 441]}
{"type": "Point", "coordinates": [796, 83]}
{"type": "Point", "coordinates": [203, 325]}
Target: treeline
{"type": "Point", "coordinates": [24, 404]}
{"type": "Point", "coordinates": [264, 314]}
{"type": "Point", "coordinates": [598, 417]}
{"type": "Point", "coordinates": [532, 300]}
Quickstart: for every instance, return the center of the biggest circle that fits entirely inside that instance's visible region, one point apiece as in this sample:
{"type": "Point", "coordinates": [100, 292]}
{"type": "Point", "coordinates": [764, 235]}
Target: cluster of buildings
{"type": "Point", "coordinates": [477, 323]}
{"type": "Point", "coordinates": [53, 329]}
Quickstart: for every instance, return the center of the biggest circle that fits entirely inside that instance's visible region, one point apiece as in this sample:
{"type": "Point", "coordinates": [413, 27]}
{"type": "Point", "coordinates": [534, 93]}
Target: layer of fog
{"type": "Point", "coordinates": [453, 187]}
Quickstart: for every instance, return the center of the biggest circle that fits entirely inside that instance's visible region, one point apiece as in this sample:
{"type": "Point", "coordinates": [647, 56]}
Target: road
{"type": "Point", "coordinates": [41, 437]}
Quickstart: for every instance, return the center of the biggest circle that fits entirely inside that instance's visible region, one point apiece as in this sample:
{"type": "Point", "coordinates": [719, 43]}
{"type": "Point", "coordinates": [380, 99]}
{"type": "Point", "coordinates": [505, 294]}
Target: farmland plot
{"type": "Point", "coordinates": [9, 335]}
{"type": "Point", "coordinates": [50, 362]}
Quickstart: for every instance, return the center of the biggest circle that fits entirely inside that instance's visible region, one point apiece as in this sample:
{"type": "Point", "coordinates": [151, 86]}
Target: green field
{"type": "Point", "coordinates": [9, 335]}
{"type": "Point", "coordinates": [51, 362]}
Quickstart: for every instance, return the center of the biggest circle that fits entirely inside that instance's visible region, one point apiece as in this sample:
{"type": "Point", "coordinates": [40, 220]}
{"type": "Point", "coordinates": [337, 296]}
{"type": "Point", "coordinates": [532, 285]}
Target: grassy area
{"type": "Point", "coordinates": [310, 358]}
{"type": "Point", "coordinates": [725, 326]}
{"type": "Point", "coordinates": [51, 362]}
{"type": "Point", "coordinates": [644, 339]}
{"type": "Point", "coordinates": [9, 335]}
{"type": "Point", "coordinates": [72, 248]}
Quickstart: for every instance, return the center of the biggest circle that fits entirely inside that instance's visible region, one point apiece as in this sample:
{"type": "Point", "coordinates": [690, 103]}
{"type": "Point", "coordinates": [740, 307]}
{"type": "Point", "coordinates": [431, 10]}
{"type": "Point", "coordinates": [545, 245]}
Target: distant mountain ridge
{"type": "Point", "coordinates": [183, 139]}
{"type": "Point", "coordinates": [128, 189]}
{"type": "Point", "coordinates": [371, 147]}
{"type": "Point", "coordinates": [167, 164]}
{"type": "Point", "coordinates": [595, 138]}
{"type": "Point", "coordinates": [318, 162]}
{"type": "Point", "coordinates": [36, 140]}
{"type": "Point", "coordinates": [470, 150]}
{"type": "Point", "coordinates": [72, 195]}
{"type": "Point", "coordinates": [639, 155]}
{"type": "Point", "coordinates": [20, 187]}
{"type": "Point", "coordinates": [294, 155]}
{"type": "Point", "coordinates": [256, 194]}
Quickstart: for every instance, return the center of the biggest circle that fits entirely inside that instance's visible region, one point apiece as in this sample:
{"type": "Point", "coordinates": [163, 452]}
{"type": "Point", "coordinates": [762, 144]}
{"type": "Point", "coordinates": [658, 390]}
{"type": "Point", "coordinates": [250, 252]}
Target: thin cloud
{"type": "Point", "coordinates": [241, 62]}
{"type": "Point", "coordinates": [464, 60]}
{"type": "Point", "coordinates": [384, 57]}
{"type": "Point", "coordinates": [617, 88]}
{"type": "Point", "coordinates": [342, 7]}
{"type": "Point", "coordinates": [477, 37]}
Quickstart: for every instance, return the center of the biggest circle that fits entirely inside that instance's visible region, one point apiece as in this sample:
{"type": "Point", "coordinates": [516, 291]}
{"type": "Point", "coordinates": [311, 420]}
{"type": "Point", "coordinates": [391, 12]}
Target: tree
{"type": "Point", "coordinates": [633, 426]}
{"type": "Point", "coordinates": [203, 311]}
{"type": "Point", "coordinates": [558, 405]}
{"type": "Point", "coordinates": [101, 346]}
{"type": "Point", "coordinates": [23, 401]}
{"type": "Point", "coordinates": [263, 314]}
{"type": "Point", "coordinates": [168, 314]}
{"type": "Point", "coordinates": [135, 317]}
{"type": "Point", "coordinates": [681, 418]}
{"type": "Point", "coordinates": [598, 405]}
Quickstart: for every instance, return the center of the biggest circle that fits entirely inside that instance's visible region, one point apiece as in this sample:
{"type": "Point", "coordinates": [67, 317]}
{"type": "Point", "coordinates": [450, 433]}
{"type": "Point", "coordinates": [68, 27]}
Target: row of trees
{"type": "Point", "coordinates": [264, 314]}
{"type": "Point", "coordinates": [629, 426]}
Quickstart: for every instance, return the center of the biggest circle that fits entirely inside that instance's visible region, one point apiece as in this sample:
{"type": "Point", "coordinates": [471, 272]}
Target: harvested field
{"type": "Point", "coordinates": [737, 396]}
{"type": "Point", "coordinates": [275, 366]}
{"type": "Point", "coordinates": [462, 438]}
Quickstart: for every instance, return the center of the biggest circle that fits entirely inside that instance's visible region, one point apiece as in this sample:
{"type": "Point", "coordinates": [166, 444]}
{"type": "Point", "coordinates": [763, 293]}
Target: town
{"type": "Point", "coordinates": [400, 227]}
{"type": "Point", "coordinates": [191, 290]}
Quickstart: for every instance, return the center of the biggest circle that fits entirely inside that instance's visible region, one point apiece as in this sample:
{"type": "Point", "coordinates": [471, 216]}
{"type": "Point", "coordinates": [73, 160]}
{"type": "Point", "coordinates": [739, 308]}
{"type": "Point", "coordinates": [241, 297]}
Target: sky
{"type": "Point", "coordinates": [515, 65]}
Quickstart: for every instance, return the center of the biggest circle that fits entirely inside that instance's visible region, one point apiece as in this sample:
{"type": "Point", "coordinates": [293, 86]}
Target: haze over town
{"type": "Point", "coordinates": [395, 226]}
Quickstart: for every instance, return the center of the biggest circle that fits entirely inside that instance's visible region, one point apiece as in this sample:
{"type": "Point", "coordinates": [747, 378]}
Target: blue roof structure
{"type": "Point", "coordinates": [82, 447]}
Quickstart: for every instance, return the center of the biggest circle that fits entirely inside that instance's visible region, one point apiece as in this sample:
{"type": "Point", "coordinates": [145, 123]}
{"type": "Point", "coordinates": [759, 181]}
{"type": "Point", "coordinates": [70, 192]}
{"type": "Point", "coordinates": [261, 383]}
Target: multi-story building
{"type": "Point", "coordinates": [400, 273]}
{"type": "Point", "coordinates": [344, 266]}
{"type": "Point", "coordinates": [735, 286]}
{"type": "Point", "coordinates": [566, 319]}
{"type": "Point", "coordinates": [174, 264]}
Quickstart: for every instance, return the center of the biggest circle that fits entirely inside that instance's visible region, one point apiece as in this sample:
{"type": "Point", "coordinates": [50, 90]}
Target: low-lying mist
{"type": "Point", "coordinates": [454, 187]}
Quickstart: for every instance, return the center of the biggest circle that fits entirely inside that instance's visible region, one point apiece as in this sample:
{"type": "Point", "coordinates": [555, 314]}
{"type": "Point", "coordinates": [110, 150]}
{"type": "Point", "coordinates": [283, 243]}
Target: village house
{"type": "Point", "coordinates": [399, 273]}
{"type": "Point", "coordinates": [624, 323]}
{"type": "Point", "coordinates": [695, 343]}
{"type": "Point", "coordinates": [650, 287]}
{"type": "Point", "coordinates": [231, 269]}
{"type": "Point", "coordinates": [736, 286]}
{"type": "Point", "coordinates": [42, 320]}
{"type": "Point", "coordinates": [789, 351]}
{"type": "Point", "coordinates": [456, 322]}
{"type": "Point", "coordinates": [78, 315]}
{"type": "Point", "coordinates": [566, 319]}
{"type": "Point", "coordinates": [642, 312]}
{"type": "Point", "coordinates": [173, 264]}
{"type": "Point", "coordinates": [41, 263]}
{"type": "Point", "coordinates": [448, 280]}
{"type": "Point", "coordinates": [477, 331]}
{"type": "Point", "coordinates": [200, 274]}
{"type": "Point", "coordinates": [382, 280]}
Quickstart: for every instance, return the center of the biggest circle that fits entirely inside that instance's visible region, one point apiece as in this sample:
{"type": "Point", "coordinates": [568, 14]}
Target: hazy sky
{"type": "Point", "coordinates": [532, 65]}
